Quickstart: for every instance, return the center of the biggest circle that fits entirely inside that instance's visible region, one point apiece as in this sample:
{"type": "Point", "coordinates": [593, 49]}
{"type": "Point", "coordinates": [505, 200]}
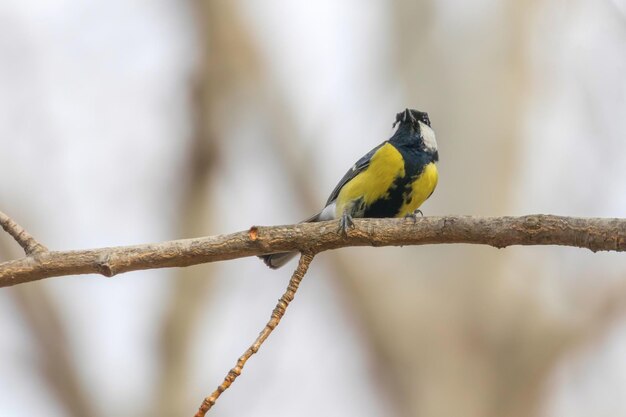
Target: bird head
{"type": "Point", "coordinates": [414, 128]}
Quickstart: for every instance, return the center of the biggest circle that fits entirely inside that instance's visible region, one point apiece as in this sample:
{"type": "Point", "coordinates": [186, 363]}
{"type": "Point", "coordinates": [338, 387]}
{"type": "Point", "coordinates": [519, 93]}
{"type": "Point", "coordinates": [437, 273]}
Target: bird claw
{"type": "Point", "coordinates": [413, 216]}
{"type": "Point", "coordinates": [345, 223]}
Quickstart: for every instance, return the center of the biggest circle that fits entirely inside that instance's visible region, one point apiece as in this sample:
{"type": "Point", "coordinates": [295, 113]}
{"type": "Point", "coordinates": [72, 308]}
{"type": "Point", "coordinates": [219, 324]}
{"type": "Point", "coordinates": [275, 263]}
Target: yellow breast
{"type": "Point", "coordinates": [422, 188]}
{"type": "Point", "coordinates": [373, 183]}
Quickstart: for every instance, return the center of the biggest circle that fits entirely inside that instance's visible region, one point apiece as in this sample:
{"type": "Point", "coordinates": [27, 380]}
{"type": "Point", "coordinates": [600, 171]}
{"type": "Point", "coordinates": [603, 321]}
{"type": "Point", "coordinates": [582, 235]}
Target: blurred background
{"type": "Point", "coordinates": [132, 122]}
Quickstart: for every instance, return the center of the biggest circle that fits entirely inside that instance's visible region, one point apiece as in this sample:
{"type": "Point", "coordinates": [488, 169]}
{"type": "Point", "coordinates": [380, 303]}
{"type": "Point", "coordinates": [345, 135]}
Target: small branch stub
{"type": "Point", "coordinates": [253, 233]}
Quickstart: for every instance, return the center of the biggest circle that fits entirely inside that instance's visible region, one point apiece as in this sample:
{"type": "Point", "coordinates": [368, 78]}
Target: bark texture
{"type": "Point", "coordinates": [595, 234]}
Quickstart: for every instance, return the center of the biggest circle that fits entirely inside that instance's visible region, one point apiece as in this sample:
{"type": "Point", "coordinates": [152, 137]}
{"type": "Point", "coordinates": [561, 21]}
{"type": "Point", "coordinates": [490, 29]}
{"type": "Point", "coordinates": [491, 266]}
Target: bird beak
{"type": "Point", "coordinates": [407, 115]}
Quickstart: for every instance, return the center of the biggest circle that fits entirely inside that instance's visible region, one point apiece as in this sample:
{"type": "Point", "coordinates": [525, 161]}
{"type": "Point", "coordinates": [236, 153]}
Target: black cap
{"type": "Point", "coordinates": [411, 116]}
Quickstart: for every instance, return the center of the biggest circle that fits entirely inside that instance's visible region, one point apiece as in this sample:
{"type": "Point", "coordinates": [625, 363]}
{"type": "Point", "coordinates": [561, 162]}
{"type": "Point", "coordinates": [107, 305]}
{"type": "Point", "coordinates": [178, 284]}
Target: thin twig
{"type": "Point", "coordinates": [277, 315]}
{"type": "Point", "coordinates": [592, 233]}
{"type": "Point", "coordinates": [21, 236]}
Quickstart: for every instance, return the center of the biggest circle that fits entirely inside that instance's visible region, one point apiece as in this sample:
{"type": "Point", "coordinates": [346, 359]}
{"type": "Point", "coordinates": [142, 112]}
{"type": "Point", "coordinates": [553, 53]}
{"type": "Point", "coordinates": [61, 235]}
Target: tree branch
{"type": "Point", "coordinates": [21, 236]}
{"type": "Point", "coordinates": [277, 315]}
{"type": "Point", "coordinates": [595, 234]}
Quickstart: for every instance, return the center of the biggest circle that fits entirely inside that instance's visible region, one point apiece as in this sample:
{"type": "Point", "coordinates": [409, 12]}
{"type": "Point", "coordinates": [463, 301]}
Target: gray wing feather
{"type": "Point", "coordinates": [360, 166]}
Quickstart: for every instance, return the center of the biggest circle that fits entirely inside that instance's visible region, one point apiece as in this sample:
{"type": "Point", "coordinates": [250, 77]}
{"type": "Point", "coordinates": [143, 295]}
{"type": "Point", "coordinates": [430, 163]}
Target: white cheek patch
{"type": "Point", "coordinates": [429, 137]}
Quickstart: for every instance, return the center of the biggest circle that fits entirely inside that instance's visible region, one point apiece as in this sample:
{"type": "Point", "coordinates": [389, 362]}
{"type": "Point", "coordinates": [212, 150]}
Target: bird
{"type": "Point", "coordinates": [391, 180]}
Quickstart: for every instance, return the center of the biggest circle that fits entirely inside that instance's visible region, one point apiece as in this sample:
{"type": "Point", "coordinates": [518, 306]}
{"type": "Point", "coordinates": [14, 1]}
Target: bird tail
{"type": "Point", "coordinates": [276, 260]}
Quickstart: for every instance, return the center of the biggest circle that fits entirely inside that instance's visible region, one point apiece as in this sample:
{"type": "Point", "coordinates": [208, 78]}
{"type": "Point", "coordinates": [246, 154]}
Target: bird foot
{"type": "Point", "coordinates": [413, 216]}
{"type": "Point", "coordinates": [345, 223]}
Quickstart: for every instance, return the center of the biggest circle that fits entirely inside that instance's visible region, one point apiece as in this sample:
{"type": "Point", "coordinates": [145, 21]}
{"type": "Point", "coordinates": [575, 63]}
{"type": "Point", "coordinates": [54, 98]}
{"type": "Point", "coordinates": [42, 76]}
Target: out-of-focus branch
{"type": "Point", "coordinates": [227, 63]}
{"type": "Point", "coordinates": [596, 234]}
{"type": "Point", "coordinates": [21, 236]}
{"type": "Point", "coordinates": [277, 315]}
{"type": "Point", "coordinates": [56, 365]}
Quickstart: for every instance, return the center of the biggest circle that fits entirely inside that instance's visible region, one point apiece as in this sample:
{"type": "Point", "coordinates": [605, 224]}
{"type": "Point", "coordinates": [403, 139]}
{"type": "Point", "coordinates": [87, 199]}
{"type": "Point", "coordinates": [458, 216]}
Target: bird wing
{"type": "Point", "coordinates": [360, 166]}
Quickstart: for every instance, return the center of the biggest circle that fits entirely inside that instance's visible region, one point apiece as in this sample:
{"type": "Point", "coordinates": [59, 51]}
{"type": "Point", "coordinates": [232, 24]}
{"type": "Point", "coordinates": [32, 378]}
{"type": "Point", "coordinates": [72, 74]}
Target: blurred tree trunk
{"type": "Point", "coordinates": [227, 62]}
